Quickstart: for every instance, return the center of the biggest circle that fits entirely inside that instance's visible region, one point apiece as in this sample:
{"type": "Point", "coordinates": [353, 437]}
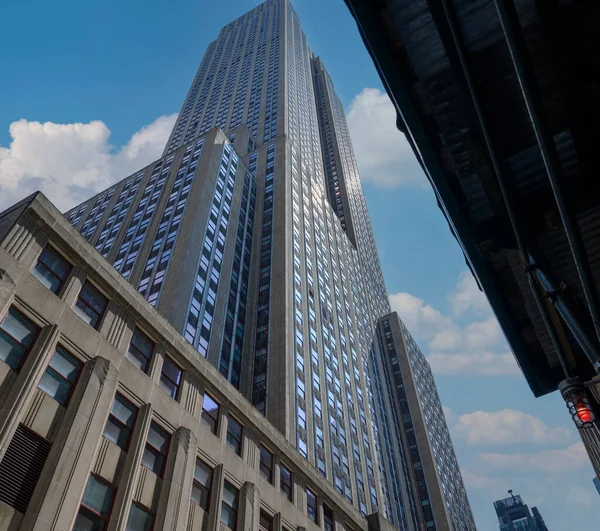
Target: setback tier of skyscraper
{"type": "Point", "coordinates": [251, 236]}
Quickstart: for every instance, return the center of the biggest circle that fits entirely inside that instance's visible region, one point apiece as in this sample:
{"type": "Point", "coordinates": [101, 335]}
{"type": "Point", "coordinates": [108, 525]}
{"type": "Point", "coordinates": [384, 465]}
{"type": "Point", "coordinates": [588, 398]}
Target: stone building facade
{"type": "Point", "coordinates": [110, 420]}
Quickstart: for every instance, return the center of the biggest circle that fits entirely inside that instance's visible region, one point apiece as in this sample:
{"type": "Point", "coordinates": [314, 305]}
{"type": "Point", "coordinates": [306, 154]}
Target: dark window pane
{"type": "Point", "coordinates": [140, 350]}
{"type": "Point", "coordinates": [311, 505]}
{"type": "Point", "coordinates": [229, 505]}
{"type": "Point", "coordinates": [98, 496]}
{"type": "Point", "coordinates": [153, 460]}
{"type": "Point", "coordinates": [158, 438]}
{"type": "Point", "coordinates": [51, 269]}
{"type": "Point", "coordinates": [266, 522]}
{"type": "Point", "coordinates": [17, 335]}
{"type": "Point", "coordinates": [60, 376]}
{"type": "Point", "coordinates": [155, 452]}
{"type": "Point", "coordinates": [140, 519]}
{"type": "Point", "coordinates": [88, 521]}
{"type": "Point", "coordinates": [90, 305]}
{"type": "Point", "coordinates": [285, 481]}
{"type": "Point", "coordinates": [228, 516]}
{"type": "Point", "coordinates": [266, 464]}
{"type": "Point", "coordinates": [170, 377]}
{"type": "Point", "coordinates": [120, 422]}
{"type": "Point", "coordinates": [210, 413]}
{"type": "Point", "coordinates": [328, 518]}
{"type": "Point", "coordinates": [202, 484]}
{"type": "Point", "coordinates": [200, 495]}
{"type": "Point", "coordinates": [234, 435]}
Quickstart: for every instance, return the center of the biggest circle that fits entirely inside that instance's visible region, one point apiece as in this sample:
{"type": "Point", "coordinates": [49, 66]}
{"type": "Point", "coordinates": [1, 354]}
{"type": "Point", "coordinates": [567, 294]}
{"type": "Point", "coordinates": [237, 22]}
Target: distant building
{"type": "Point", "coordinates": [514, 515]}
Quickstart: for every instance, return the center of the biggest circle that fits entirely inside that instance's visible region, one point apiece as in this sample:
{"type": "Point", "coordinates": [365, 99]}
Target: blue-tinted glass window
{"type": "Point", "coordinates": [140, 518]}
{"type": "Point", "coordinates": [90, 305]}
{"type": "Point", "coordinates": [51, 269]}
{"type": "Point", "coordinates": [60, 376]}
{"type": "Point", "coordinates": [170, 378]}
{"type": "Point", "coordinates": [120, 422]}
{"type": "Point", "coordinates": [140, 350]}
{"type": "Point", "coordinates": [210, 413]}
{"type": "Point", "coordinates": [96, 505]}
{"type": "Point", "coordinates": [229, 506]}
{"type": "Point", "coordinates": [155, 452]}
{"type": "Point", "coordinates": [17, 335]}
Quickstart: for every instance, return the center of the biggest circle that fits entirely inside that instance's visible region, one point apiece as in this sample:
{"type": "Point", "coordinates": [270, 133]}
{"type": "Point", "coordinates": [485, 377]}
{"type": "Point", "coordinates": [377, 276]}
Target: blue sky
{"type": "Point", "coordinates": [104, 81]}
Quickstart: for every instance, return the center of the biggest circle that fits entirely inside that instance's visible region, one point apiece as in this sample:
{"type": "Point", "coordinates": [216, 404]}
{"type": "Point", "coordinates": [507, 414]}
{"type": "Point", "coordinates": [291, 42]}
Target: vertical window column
{"type": "Point", "coordinates": [261, 345]}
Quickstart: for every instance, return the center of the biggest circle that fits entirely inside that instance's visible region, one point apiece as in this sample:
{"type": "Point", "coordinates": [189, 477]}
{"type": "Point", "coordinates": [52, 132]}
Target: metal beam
{"type": "Point", "coordinates": [511, 26]}
{"type": "Point", "coordinates": [397, 78]}
{"type": "Point", "coordinates": [448, 25]}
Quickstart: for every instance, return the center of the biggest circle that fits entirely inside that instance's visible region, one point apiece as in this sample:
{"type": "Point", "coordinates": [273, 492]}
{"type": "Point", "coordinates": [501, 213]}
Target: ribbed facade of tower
{"type": "Point", "coordinates": [251, 236]}
{"type": "Point", "coordinates": [433, 464]}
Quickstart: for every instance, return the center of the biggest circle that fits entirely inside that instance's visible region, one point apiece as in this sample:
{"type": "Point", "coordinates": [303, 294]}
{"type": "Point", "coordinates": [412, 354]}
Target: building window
{"type": "Point", "coordinates": [170, 378]}
{"type": "Point", "coordinates": [234, 435]}
{"type": "Point", "coordinates": [140, 350]}
{"type": "Point", "coordinates": [266, 464]}
{"type": "Point", "coordinates": [229, 506]}
{"type": "Point", "coordinates": [120, 422]}
{"type": "Point", "coordinates": [285, 481]}
{"type": "Point", "coordinates": [51, 269]}
{"type": "Point", "coordinates": [210, 413]}
{"type": "Point", "coordinates": [17, 335]}
{"type": "Point", "coordinates": [61, 375]}
{"type": "Point", "coordinates": [155, 453]}
{"type": "Point", "coordinates": [311, 506]}
{"type": "Point", "coordinates": [140, 518]}
{"type": "Point", "coordinates": [328, 518]}
{"type": "Point", "coordinates": [90, 305]}
{"type": "Point", "coordinates": [96, 505]}
{"type": "Point", "coordinates": [202, 484]}
{"type": "Point", "coordinates": [266, 522]}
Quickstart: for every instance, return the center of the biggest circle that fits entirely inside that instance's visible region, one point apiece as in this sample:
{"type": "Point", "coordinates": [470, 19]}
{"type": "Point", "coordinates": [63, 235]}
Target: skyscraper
{"type": "Point", "coordinates": [514, 515]}
{"type": "Point", "coordinates": [424, 432]}
{"type": "Point", "coordinates": [252, 237]}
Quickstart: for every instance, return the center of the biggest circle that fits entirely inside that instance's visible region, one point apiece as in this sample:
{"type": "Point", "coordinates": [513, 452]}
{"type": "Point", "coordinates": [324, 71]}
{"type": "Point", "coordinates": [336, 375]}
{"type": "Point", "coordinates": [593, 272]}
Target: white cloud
{"type": "Point", "coordinates": [384, 157]}
{"type": "Point", "coordinates": [468, 297]}
{"type": "Point", "coordinates": [475, 348]}
{"type": "Point", "coordinates": [71, 162]}
{"type": "Point", "coordinates": [504, 427]}
{"type": "Point", "coordinates": [562, 461]}
{"type": "Point", "coordinates": [423, 321]}
{"type": "Point", "coordinates": [479, 482]}
{"type": "Point", "coordinates": [481, 363]}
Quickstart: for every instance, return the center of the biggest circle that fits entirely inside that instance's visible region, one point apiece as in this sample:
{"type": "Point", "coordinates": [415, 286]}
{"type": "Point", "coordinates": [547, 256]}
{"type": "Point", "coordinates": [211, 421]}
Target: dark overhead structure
{"type": "Point", "coordinates": [500, 100]}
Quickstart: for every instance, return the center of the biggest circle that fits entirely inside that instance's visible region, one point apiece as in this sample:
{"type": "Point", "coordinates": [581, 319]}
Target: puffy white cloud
{"type": "Point", "coordinates": [384, 157]}
{"type": "Point", "coordinates": [480, 363]}
{"type": "Point", "coordinates": [505, 427]}
{"type": "Point", "coordinates": [475, 348]}
{"type": "Point", "coordinates": [71, 162]}
{"type": "Point", "coordinates": [468, 297]}
{"type": "Point", "coordinates": [423, 321]}
{"type": "Point", "coordinates": [562, 461]}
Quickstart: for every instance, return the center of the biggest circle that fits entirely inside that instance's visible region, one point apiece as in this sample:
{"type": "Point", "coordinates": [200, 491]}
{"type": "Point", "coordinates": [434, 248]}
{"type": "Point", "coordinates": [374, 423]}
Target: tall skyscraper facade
{"type": "Point", "coordinates": [433, 463]}
{"type": "Point", "coordinates": [252, 237]}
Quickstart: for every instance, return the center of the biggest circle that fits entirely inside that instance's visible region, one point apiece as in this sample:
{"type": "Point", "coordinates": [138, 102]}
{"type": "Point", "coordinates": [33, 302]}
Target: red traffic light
{"type": "Point", "coordinates": [583, 411]}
